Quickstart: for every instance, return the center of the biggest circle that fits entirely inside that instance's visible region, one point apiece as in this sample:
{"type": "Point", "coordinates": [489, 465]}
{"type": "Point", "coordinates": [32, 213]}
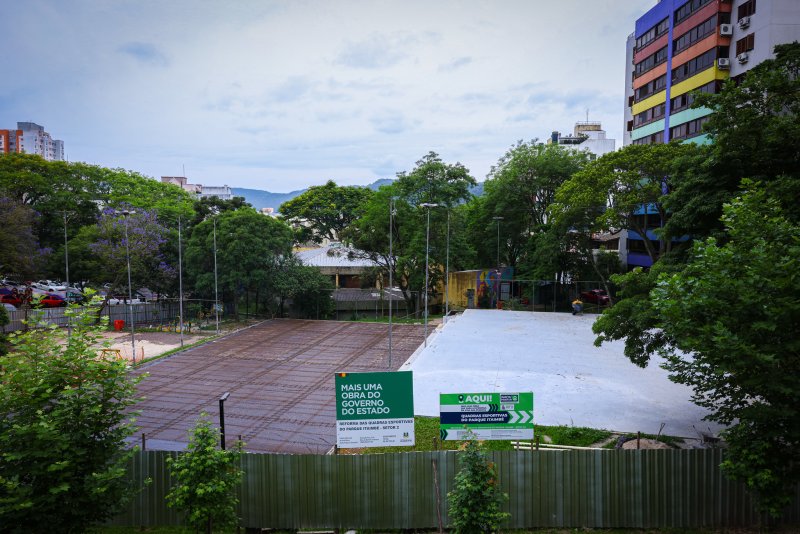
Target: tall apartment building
{"type": "Point", "coordinates": [684, 46]}
{"type": "Point", "coordinates": [681, 46]}
{"type": "Point", "coordinates": [30, 138]}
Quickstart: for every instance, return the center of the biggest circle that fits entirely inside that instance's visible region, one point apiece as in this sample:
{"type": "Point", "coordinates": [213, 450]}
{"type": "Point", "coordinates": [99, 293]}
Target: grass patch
{"type": "Point", "coordinates": [426, 430]}
{"type": "Point", "coordinates": [576, 436]}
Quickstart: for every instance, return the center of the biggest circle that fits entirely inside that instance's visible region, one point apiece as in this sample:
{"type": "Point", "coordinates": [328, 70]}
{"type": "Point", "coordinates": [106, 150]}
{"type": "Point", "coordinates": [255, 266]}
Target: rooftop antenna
{"type": "Point", "coordinates": [184, 170]}
{"type": "Point", "coordinates": [587, 114]}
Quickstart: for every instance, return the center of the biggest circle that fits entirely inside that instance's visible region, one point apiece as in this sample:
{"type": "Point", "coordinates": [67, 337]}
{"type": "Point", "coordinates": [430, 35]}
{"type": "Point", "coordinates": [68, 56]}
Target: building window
{"type": "Point", "coordinates": [698, 33]}
{"type": "Point", "coordinates": [686, 10]}
{"type": "Point", "coordinates": [652, 34]}
{"type": "Point", "coordinates": [684, 101]}
{"type": "Point", "coordinates": [700, 63]}
{"type": "Point", "coordinates": [688, 129]}
{"type": "Point", "coordinates": [654, 139]}
{"type": "Point", "coordinates": [650, 88]}
{"type": "Point", "coordinates": [651, 115]}
{"type": "Point", "coordinates": [747, 9]}
{"type": "Point", "coordinates": [746, 44]}
{"type": "Point", "coordinates": [650, 62]}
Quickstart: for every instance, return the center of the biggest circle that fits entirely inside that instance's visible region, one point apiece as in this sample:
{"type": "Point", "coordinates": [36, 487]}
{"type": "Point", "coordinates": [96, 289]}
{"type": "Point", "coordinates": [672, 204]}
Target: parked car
{"type": "Point", "coordinates": [52, 301]}
{"type": "Point", "coordinates": [74, 296]}
{"type": "Point", "coordinates": [123, 299]}
{"type": "Point", "coordinates": [49, 285]}
{"type": "Point", "coordinates": [9, 307]}
{"type": "Point", "coordinates": [14, 300]}
{"type": "Point", "coordinates": [596, 296]}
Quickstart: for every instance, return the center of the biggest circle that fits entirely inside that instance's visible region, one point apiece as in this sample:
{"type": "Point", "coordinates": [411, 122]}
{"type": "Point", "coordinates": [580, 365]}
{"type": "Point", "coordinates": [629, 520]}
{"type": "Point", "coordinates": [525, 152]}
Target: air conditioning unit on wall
{"type": "Point", "coordinates": [744, 22]}
{"type": "Point", "coordinates": [724, 63]}
{"type": "Point", "coordinates": [726, 29]}
{"type": "Point", "coordinates": [743, 57]}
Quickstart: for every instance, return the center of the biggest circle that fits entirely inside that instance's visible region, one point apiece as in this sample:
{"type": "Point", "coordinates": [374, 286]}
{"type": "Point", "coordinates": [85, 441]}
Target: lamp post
{"type": "Point", "coordinates": [66, 272]}
{"type": "Point", "coordinates": [498, 219]}
{"type": "Point", "coordinates": [447, 273]}
{"type": "Point", "coordinates": [180, 279]}
{"type": "Point", "coordinates": [216, 292]}
{"type": "Point", "coordinates": [428, 206]}
{"type": "Point", "coordinates": [66, 254]}
{"type": "Point", "coordinates": [497, 289]}
{"type": "Point", "coordinates": [391, 269]}
{"type": "Point", "coordinates": [222, 400]}
{"type": "Point", "coordinates": [125, 214]}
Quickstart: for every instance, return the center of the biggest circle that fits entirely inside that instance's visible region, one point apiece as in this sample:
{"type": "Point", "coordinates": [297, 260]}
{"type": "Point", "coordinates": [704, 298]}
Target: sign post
{"type": "Point", "coordinates": [489, 416]}
{"type": "Point", "coordinates": [374, 409]}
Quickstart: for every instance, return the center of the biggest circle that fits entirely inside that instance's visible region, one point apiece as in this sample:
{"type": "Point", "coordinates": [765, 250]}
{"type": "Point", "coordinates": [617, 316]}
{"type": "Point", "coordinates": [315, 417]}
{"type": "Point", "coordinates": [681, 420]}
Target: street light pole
{"type": "Point", "coordinates": [428, 206]}
{"type": "Point", "coordinates": [66, 253]}
{"type": "Point", "coordinates": [125, 214]}
{"type": "Point", "coordinates": [447, 273]}
{"type": "Point", "coordinates": [216, 292]}
{"type": "Point", "coordinates": [498, 219]}
{"type": "Point", "coordinates": [180, 279]}
{"type": "Point", "coordinates": [391, 269]}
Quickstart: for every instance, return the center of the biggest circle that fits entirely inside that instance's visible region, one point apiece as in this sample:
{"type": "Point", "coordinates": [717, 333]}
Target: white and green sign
{"type": "Point", "coordinates": [487, 415]}
{"type": "Point", "coordinates": [374, 409]}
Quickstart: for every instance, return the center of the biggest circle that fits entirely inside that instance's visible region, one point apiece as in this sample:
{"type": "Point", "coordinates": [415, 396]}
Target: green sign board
{"type": "Point", "coordinates": [488, 416]}
{"type": "Point", "coordinates": [374, 409]}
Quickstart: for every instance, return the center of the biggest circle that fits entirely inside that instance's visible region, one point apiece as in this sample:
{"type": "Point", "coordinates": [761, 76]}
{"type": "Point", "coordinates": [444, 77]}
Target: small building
{"type": "Point", "coordinates": [343, 264]}
{"type": "Point", "coordinates": [588, 136]}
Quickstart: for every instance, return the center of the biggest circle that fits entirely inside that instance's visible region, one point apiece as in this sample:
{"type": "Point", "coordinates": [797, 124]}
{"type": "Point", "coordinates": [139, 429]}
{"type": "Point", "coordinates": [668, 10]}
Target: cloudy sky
{"type": "Point", "coordinates": [282, 95]}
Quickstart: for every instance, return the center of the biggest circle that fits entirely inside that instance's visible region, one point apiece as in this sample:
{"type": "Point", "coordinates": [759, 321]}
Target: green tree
{"type": "Point", "coordinates": [476, 498]}
{"type": "Point", "coordinates": [731, 319]}
{"type": "Point", "coordinates": [64, 420]}
{"type": "Point", "coordinates": [324, 211]}
{"type": "Point", "coordinates": [431, 181]}
{"type": "Point", "coordinates": [623, 190]}
{"type": "Point", "coordinates": [311, 291]}
{"type": "Point", "coordinates": [207, 478]}
{"type": "Point", "coordinates": [18, 245]}
{"type": "Point", "coordinates": [250, 247]}
{"type": "Point", "coordinates": [520, 188]}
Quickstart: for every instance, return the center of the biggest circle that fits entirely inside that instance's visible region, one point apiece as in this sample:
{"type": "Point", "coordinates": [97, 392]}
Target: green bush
{"type": "Point", "coordinates": [207, 480]}
{"type": "Point", "coordinates": [475, 502]}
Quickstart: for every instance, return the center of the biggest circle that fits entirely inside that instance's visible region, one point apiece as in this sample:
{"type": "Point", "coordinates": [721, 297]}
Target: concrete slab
{"type": "Point", "coordinates": [553, 355]}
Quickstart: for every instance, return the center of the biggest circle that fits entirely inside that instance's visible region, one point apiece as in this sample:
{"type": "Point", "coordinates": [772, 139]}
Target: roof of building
{"type": "Point", "coordinates": [334, 255]}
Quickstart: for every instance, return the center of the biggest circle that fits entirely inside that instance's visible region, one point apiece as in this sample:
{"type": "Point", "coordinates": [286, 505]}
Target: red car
{"type": "Point", "coordinates": [15, 300]}
{"type": "Point", "coordinates": [596, 296]}
{"type": "Point", "coordinates": [52, 301]}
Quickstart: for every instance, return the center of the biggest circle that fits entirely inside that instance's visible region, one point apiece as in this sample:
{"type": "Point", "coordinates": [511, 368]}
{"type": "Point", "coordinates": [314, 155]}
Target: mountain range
{"type": "Point", "coordinates": [265, 199]}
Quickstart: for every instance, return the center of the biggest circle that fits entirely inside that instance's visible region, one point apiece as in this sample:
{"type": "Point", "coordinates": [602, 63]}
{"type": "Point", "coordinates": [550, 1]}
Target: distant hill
{"type": "Point", "coordinates": [265, 199]}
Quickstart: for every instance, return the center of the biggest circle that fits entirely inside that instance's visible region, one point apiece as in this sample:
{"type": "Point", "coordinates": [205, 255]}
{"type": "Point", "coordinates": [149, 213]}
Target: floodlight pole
{"type": "Point", "coordinates": [125, 214]}
{"type": "Point", "coordinates": [428, 206]}
{"type": "Point", "coordinates": [447, 273]}
{"type": "Point", "coordinates": [216, 291]}
{"type": "Point", "coordinates": [498, 219]}
{"type": "Point", "coordinates": [391, 269]}
{"type": "Point", "coordinates": [180, 280]}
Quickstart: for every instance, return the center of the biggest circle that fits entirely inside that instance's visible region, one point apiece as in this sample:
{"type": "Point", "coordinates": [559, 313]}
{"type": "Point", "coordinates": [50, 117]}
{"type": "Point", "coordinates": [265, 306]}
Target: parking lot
{"type": "Point", "coordinates": [280, 375]}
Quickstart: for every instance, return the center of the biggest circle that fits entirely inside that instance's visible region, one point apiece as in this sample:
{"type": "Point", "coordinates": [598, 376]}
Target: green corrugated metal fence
{"type": "Point", "coordinates": [576, 488]}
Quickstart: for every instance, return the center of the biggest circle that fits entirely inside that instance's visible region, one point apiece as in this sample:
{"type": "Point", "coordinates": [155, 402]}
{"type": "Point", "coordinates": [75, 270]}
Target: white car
{"type": "Point", "coordinates": [9, 307]}
{"type": "Point", "coordinates": [49, 286]}
{"type": "Point", "coordinates": [122, 300]}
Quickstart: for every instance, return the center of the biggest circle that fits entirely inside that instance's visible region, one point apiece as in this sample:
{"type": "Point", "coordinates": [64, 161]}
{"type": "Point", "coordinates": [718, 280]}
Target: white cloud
{"type": "Point", "coordinates": [286, 94]}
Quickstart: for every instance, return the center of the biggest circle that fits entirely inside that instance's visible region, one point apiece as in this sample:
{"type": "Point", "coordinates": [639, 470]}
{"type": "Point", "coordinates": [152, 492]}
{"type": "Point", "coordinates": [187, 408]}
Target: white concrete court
{"type": "Point", "coordinates": [553, 355]}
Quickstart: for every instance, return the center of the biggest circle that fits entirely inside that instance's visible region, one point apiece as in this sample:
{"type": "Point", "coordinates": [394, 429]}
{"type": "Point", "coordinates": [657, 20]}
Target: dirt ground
{"type": "Point", "coordinates": [149, 344]}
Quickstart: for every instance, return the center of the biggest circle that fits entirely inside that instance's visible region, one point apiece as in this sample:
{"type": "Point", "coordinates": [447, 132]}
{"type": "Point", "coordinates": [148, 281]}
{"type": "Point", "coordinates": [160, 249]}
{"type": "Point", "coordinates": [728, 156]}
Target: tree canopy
{"type": "Point", "coordinates": [324, 211]}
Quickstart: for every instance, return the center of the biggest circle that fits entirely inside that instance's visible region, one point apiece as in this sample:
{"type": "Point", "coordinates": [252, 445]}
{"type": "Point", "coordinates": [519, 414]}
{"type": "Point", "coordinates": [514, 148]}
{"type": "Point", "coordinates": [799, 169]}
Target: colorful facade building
{"type": "Point", "coordinates": [681, 47]}
{"type": "Point", "coordinates": [684, 47]}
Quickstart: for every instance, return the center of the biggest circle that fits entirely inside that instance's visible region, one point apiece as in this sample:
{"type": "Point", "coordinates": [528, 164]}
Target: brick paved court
{"type": "Point", "coordinates": [280, 375]}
